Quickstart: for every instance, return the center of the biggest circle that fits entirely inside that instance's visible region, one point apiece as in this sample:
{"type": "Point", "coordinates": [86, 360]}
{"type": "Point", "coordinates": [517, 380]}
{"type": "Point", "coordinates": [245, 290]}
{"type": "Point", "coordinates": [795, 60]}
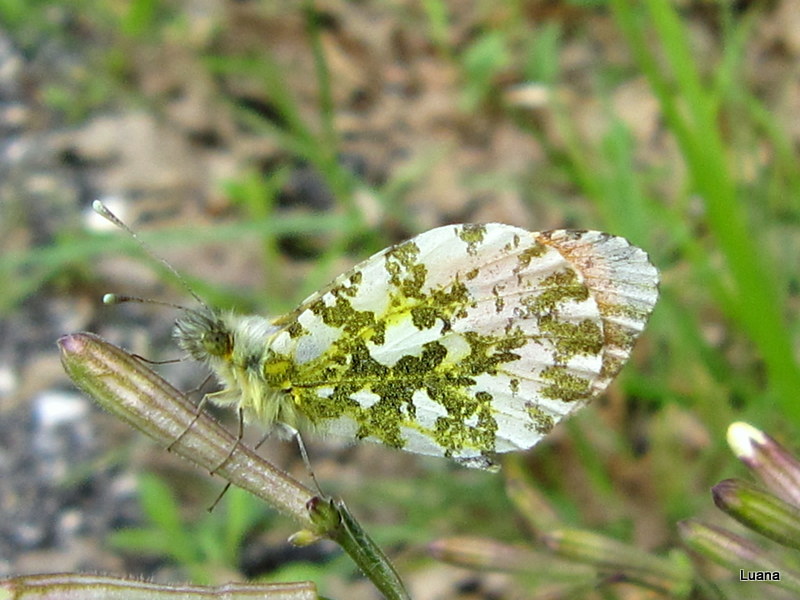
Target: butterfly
{"type": "Point", "coordinates": [465, 341]}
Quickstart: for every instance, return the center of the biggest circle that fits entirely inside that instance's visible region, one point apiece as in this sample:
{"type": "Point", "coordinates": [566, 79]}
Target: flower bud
{"type": "Point", "coordinates": [735, 553]}
{"type": "Point", "coordinates": [619, 559]}
{"type": "Point", "coordinates": [759, 510]}
{"type": "Point", "coordinates": [125, 387]}
{"type": "Point", "coordinates": [779, 470]}
{"type": "Point", "coordinates": [68, 586]}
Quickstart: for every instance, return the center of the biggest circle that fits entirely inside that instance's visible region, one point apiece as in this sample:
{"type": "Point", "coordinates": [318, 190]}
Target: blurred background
{"type": "Point", "coordinates": [262, 148]}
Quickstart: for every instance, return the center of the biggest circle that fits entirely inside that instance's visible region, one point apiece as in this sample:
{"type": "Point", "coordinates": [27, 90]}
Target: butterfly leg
{"type": "Point", "coordinates": [219, 497]}
{"type": "Point", "coordinates": [197, 414]}
{"type": "Point", "coordinates": [289, 431]}
{"type": "Point", "coordinates": [239, 436]}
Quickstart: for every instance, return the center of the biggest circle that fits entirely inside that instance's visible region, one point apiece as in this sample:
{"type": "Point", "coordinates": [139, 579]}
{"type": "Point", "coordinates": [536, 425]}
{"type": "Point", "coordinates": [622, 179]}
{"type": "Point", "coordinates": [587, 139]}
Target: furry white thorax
{"type": "Point", "coordinates": [239, 372]}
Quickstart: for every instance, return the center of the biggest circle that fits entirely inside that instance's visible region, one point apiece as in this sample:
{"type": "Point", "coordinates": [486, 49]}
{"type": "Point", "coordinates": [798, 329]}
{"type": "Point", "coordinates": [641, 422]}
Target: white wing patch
{"type": "Point", "coordinates": [465, 341]}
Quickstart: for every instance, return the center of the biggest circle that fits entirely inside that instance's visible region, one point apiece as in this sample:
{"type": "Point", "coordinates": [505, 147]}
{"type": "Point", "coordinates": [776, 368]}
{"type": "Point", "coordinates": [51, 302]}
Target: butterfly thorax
{"type": "Point", "coordinates": [235, 347]}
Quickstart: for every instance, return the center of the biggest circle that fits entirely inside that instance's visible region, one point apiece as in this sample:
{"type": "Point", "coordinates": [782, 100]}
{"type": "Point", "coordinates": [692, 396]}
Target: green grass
{"type": "Point", "coordinates": [718, 220]}
{"type": "Point", "coordinates": [208, 546]}
{"type": "Point", "coordinates": [747, 290]}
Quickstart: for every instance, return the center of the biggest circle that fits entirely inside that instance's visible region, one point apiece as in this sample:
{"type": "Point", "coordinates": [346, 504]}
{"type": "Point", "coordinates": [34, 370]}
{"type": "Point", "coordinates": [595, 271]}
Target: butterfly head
{"type": "Point", "coordinates": [204, 334]}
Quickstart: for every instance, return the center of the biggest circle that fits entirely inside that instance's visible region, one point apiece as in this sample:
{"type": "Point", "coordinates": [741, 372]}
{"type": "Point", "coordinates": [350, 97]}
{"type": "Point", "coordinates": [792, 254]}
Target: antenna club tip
{"type": "Point", "coordinates": [99, 207]}
{"type": "Point", "coordinates": [110, 299]}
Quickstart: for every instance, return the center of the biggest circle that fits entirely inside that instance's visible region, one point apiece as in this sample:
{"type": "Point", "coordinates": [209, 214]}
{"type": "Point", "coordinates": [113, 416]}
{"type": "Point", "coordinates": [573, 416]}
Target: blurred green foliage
{"type": "Point", "coordinates": [721, 225]}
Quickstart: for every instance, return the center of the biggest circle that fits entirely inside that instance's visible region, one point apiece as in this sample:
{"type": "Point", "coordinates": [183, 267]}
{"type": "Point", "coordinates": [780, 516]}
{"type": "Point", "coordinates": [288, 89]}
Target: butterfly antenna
{"type": "Point", "coordinates": [102, 210]}
{"type": "Point", "coordinates": [120, 298]}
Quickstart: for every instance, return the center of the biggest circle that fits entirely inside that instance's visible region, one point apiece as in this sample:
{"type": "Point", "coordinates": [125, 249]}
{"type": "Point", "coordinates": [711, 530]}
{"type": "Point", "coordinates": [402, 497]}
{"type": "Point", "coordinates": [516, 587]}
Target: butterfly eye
{"type": "Point", "coordinates": [218, 342]}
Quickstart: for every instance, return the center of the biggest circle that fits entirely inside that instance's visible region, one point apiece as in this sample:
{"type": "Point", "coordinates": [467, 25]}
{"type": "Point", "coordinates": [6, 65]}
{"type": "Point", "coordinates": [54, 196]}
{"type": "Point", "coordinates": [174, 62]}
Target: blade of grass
{"type": "Point", "coordinates": [326, 107]}
{"type": "Point", "coordinates": [757, 307]}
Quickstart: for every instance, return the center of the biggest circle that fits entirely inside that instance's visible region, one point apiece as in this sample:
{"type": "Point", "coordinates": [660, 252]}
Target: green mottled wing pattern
{"type": "Point", "coordinates": [465, 341]}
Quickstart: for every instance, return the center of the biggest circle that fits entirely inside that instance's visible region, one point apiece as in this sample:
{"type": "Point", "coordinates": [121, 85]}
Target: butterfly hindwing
{"type": "Point", "coordinates": [466, 340]}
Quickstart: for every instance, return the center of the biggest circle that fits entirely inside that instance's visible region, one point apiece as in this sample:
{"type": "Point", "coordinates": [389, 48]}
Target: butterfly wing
{"type": "Point", "coordinates": [466, 340]}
